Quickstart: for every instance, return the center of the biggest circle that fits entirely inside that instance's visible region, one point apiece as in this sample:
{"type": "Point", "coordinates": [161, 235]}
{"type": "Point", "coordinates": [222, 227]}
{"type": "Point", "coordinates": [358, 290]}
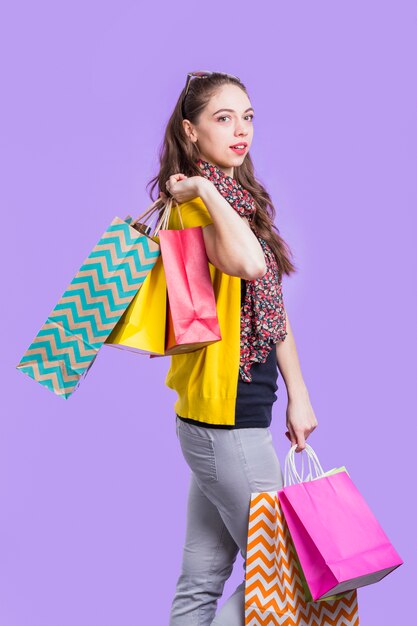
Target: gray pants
{"type": "Point", "coordinates": [226, 467]}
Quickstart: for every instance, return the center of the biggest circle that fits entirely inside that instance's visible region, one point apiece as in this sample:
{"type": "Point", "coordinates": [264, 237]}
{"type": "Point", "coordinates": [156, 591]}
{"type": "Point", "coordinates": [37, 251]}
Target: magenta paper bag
{"type": "Point", "coordinates": [339, 542]}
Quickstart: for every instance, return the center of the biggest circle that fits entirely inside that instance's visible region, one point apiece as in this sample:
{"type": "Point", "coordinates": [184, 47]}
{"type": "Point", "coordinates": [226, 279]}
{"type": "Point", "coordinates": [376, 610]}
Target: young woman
{"type": "Point", "coordinates": [226, 390]}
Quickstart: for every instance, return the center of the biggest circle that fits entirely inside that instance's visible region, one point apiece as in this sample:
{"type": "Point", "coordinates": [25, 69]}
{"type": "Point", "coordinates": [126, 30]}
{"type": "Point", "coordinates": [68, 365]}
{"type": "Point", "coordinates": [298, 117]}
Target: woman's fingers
{"type": "Point", "coordinates": [296, 438]}
{"type": "Point", "coordinates": [291, 435]}
{"type": "Point", "coordinates": [174, 186]}
{"type": "Point", "coordinates": [174, 178]}
{"type": "Point", "coordinates": [300, 441]}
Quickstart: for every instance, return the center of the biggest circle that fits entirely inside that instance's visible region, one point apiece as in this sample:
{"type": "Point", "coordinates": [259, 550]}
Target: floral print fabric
{"type": "Point", "coordinates": [263, 318]}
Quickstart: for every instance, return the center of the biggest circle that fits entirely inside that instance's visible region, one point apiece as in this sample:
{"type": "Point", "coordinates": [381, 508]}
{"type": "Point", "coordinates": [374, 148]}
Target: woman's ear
{"type": "Point", "coordinates": [189, 130]}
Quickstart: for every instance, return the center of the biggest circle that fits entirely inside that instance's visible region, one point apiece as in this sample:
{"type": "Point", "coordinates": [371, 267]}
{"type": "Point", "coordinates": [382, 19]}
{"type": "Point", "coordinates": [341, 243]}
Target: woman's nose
{"type": "Point", "coordinates": [241, 131]}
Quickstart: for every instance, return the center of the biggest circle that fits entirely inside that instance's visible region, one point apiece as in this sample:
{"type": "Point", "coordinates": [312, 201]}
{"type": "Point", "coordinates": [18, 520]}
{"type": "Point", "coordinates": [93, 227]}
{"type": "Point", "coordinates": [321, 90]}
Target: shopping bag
{"type": "Point", "coordinates": [141, 328]}
{"type": "Point", "coordinates": [68, 342]}
{"type": "Point", "coordinates": [192, 314]}
{"type": "Point", "coordinates": [339, 542]}
{"type": "Point", "coordinates": [175, 311]}
{"type": "Point", "coordinates": [274, 593]}
{"type": "Point", "coordinates": [291, 476]}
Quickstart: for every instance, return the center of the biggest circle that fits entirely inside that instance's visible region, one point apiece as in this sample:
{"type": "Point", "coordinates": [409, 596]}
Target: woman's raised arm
{"type": "Point", "coordinates": [230, 243]}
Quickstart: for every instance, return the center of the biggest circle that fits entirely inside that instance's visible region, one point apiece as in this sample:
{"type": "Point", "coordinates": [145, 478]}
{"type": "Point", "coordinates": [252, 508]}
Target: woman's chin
{"type": "Point", "coordinates": [239, 158]}
{"type": "Point", "coordinates": [236, 159]}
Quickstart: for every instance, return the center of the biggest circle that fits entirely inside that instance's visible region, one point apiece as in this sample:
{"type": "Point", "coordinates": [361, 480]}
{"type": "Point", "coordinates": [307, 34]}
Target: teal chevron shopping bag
{"type": "Point", "coordinates": [68, 342]}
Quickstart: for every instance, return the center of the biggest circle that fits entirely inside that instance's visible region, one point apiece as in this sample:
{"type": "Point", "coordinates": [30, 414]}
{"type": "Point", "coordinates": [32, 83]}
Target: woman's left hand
{"type": "Point", "coordinates": [301, 420]}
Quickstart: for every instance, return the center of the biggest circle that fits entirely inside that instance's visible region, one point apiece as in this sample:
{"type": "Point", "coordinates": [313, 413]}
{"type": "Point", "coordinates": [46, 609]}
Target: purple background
{"type": "Point", "coordinates": [93, 489]}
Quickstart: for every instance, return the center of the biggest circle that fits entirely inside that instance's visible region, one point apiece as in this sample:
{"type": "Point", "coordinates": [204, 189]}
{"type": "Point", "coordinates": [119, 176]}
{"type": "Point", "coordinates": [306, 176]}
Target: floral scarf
{"type": "Point", "coordinates": [263, 319]}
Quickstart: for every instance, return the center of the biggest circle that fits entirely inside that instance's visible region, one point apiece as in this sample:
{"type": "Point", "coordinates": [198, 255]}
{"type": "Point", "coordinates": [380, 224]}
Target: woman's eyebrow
{"type": "Point", "coordinates": [233, 111]}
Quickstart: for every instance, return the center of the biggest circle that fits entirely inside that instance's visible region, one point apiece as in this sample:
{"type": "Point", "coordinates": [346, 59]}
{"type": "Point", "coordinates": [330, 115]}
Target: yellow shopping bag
{"type": "Point", "coordinates": [142, 326]}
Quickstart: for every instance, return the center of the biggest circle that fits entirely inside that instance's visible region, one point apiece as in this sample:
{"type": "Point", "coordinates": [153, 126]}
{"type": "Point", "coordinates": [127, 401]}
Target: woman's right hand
{"type": "Point", "coordinates": [183, 188]}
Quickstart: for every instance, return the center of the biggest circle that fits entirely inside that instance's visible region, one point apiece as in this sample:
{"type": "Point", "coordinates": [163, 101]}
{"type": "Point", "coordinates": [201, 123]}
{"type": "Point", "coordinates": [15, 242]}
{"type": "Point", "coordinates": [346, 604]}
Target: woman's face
{"type": "Point", "coordinates": [226, 121]}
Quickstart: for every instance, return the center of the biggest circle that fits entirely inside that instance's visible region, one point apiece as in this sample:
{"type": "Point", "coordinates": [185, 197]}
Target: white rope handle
{"type": "Point", "coordinates": [313, 456]}
{"type": "Point", "coordinates": [291, 475]}
{"type": "Point", "coordinates": [312, 459]}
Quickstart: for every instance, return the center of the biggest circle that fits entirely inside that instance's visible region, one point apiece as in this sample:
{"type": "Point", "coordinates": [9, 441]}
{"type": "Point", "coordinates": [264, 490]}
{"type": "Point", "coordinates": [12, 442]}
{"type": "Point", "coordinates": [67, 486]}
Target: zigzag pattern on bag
{"type": "Point", "coordinates": [274, 594]}
{"type": "Point", "coordinates": [88, 310]}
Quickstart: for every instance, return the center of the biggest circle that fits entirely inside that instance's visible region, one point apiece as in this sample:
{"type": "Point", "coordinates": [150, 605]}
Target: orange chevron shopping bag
{"type": "Point", "coordinates": [68, 342]}
{"type": "Point", "coordinates": [274, 586]}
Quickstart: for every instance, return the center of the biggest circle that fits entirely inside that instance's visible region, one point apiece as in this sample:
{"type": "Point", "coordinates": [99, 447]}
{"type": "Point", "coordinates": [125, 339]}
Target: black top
{"type": "Point", "coordinates": [255, 399]}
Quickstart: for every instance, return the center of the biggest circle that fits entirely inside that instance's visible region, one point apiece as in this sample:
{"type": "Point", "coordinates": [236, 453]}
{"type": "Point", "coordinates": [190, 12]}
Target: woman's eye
{"type": "Point", "coordinates": [223, 117]}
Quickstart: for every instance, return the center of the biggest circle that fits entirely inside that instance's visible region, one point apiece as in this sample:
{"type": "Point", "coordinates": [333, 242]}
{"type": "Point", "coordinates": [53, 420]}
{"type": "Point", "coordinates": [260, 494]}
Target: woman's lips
{"type": "Point", "coordinates": [238, 151]}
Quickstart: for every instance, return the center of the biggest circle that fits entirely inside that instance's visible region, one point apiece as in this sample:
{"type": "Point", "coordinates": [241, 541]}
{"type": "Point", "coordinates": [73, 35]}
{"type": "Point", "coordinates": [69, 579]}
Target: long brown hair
{"type": "Point", "coordinates": [178, 154]}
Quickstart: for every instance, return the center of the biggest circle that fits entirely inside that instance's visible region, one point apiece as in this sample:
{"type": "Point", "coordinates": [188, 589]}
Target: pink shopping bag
{"type": "Point", "coordinates": [339, 542]}
{"type": "Point", "coordinates": [192, 321]}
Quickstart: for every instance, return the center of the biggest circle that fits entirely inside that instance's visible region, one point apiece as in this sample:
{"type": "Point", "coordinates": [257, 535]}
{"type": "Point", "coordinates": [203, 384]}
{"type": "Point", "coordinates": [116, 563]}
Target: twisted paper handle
{"type": "Point", "coordinates": [163, 220]}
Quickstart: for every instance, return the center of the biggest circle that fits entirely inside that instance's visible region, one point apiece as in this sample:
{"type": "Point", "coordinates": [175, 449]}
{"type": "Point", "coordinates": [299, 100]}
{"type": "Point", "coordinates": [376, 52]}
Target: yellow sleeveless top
{"type": "Point", "coordinates": [206, 379]}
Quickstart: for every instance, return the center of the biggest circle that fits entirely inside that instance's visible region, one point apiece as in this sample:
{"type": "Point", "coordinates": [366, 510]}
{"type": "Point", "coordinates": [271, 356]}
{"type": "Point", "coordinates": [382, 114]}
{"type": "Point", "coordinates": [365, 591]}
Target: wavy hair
{"type": "Point", "coordinates": [178, 154]}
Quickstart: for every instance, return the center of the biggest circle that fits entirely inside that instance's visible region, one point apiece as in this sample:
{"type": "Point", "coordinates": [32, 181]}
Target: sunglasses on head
{"type": "Point", "coordinates": [203, 74]}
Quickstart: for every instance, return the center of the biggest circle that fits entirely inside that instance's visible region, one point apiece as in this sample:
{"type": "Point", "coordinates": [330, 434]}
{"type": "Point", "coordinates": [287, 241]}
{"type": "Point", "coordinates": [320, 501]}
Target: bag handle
{"type": "Point", "coordinates": [151, 209]}
{"type": "Point", "coordinates": [291, 476]}
{"type": "Point", "coordinates": [163, 220]}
